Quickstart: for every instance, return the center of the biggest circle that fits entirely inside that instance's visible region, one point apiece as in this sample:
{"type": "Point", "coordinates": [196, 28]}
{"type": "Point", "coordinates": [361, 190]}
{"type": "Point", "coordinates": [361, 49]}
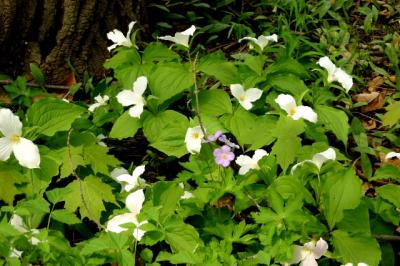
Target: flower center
{"type": "Point", "coordinates": [15, 139]}
{"type": "Point", "coordinates": [292, 111]}
{"type": "Point", "coordinates": [242, 98]}
{"type": "Point", "coordinates": [196, 135]}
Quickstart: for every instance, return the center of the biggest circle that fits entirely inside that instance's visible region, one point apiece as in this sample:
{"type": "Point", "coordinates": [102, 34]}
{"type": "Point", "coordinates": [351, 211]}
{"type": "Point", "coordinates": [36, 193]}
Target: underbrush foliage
{"type": "Point", "coordinates": [259, 144]}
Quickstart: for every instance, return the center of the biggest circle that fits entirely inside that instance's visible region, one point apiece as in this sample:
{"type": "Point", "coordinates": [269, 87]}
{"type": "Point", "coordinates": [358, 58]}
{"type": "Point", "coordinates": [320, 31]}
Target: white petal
{"type": "Point", "coordinates": [92, 107]}
{"type": "Point", "coordinates": [138, 171]}
{"type": "Point", "coordinates": [9, 123]}
{"type": "Point", "coordinates": [297, 255]}
{"type": "Point", "coordinates": [187, 195]}
{"type": "Point", "coordinates": [344, 79]}
{"type": "Point", "coordinates": [130, 27]}
{"type": "Point", "coordinates": [18, 223]}
{"type": "Point", "coordinates": [193, 146]}
{"type": "Point", "coordinates": [246, 104]}
{"type": "Point", "coordinates": [320, 158]}
{"type": "Point", "coordinates": [5, 149]}
{"type": "Point", "coordinates": [139, 86]}
{"type": "Point", "coordinates": [128, 97]}
{"type": "Point", "coordinates": [34, 241]}
{"type": "Point", "coordinates": [237, 91]}
{"type": "Point", "coordinates": [27, 153]}
{"type": "Point", "coordinates": [309, 260]}
{"type": "Point", "coordinates": [258, 154]}
{"type": "Point", "coordinates": [182, 39]}
{"type": "Point", "coordinates": [168, 38]}
{"type": "Point", "coordinates": [320, 249]}
{"type": "Point", "coordinates": [253, 94]}
{"type": "Point", "coordinates": [114, 224]}
{"type": "Point", "coordinates": [306, 113]}
{"type": "Point", "coordinates": [249, 39]}
{"type": "Point", "coordinates": [286, 102]}
{"type": "Point", "coordinates": [326, 63]}
{"type": "Point", "coordinates": [136, 110]}
{"type": "Point", "coordinates": [243, 160]}
{"type": "Point", "coordinates": [15, 253]}
{"type": "Point", "coordinates": [134, 201]}
{"type": "Point", "coordinates": [193, 139]}
{"type": "Point", "coordinates": [125, 178]}
{"type": "Point", "coordinates": [392, 155]}
{"type": "Point", "coordinates": [117, 172]}
{"type": "Point", "coordinates": [189, 31]}
{"type": "Point", "coordinates": [112, 47]}
{"type": "Point", "coordinates": [116, 37]}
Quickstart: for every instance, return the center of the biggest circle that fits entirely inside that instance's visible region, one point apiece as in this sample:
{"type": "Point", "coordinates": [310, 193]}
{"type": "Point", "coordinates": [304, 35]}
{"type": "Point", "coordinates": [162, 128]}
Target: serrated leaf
{"type": "Point", "coordinates": [52, 115]}
{"type": "Point", "coordinates": [98, 158]}
{"type": "Point", "coordinates": [94, 192]}
{"type": "Point", "coordinates": [72, 158]}
{"type": "Point", "coordinates": [334, 120]}
{"type": "Point", "coordinates": [392, 116]}
{"type": "Point", "coordinates": [37, 74]}
{"type": "Point", "coordinates": [214, 102]}
{"type": "Point", "coordinates": [391, 193]}
{"type": "Point", "coordinates": [8, 178]}
{"type": "Point", "coordinates": [65, 216]}
{"type": "Point", "coordinates": [181, 236]}
{"type": "Point", "coordinates": [125, 126]}
{"type": "Point", "coordinates": [167, 195]}
{"type": "Point", "coordinates": [56, 195]}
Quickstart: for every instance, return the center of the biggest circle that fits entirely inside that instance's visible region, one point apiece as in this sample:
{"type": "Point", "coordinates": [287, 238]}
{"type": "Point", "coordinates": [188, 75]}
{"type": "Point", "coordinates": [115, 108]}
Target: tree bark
{"type": "Point", "coordinates": [61, 35]}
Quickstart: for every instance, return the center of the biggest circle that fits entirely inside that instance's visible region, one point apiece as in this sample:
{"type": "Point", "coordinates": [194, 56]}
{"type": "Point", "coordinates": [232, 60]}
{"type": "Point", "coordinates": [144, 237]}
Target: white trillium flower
{"type": "Point", "coordinates": [247, 163]}
{"type": "Point", "coordinates": [134, 203]}
{"type": "Point", "coordinates": [100, 141]}
{"type": "Point", "coordinates": [193, 139]}
{"type": "Point", "coordinates": [15, 253]}
{"type": "Point", "coordinates": [25, 151]}
{"type": "Point", "coordinates": [117, 172]}
{"type": "Point", "coordinates": [309, 253]}
{"type": "Point", "coordinates": [245, 97]}
{"type": "Point", "coordinates": [100, 101]}
{"type": "Point", "coordinates": [336, 73]}
{"type": "Point", "coordinates": [262, 40]}
{"type": "Point", "coordinates": [319, 159]}
{"type": "Point", "coordinates": [186, 194]}
{"type": "Point", "coordinates": [180, 37]}
{"type": "Point", "coordinates": [119, 39]}
{"type": "Point", "coordinates": [288, 103]}
{"type": "Point", "coordinates": [134, 97]}
{"type": "Point", "coordinates": [392, 155]}
{"type": "Point", "coordinates": [17, 222]}
{"type": "Point", "coordinates": [131, 181]}
{"type": "Point", "coordinates": [358, 264]}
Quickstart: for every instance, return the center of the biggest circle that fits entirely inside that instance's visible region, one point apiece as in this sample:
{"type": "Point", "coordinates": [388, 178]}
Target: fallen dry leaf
{"type": "Point", "coordinates": [393, 78]}
{"type": "Point", "coordinates": [365, 97]}
{"type": "Point", "coordinates": [375, 83]}
{"type": "Point", "coordinates": [369, 124]}
{"type": "Point", "coordinates": [375, 104]}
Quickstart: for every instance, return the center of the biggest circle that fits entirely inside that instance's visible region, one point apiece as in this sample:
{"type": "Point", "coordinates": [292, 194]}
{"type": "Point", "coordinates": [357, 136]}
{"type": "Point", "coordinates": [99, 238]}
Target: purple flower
{"type": "Point", "coordinates": [214, 137]}
{"type": "Point", "coordinates": [223, 156]}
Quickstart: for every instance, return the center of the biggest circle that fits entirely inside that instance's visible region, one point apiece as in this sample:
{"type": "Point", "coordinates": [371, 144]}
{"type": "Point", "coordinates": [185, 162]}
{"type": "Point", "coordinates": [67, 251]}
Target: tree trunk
{"type": "Point", "coordinates": [58, 34]}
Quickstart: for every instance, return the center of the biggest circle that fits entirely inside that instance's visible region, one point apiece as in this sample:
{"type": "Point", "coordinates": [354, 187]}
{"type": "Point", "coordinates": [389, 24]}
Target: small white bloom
{"type": "Point", "coordinates": [288, 103]}
{"type": "Point", "coordinates": [246, 163]}
{"type": "Point", "coordinates": [134, 203]}
{"type": "Point", "coordinates": [99, 102]}
{"type": "Point", "coordinates": [119, 39]}
{"type": "Point", "coordinates": [25, 151]}
{"type": "Point", "coordinates": [309, 252]}
{"type": "Point", "coordinates": [131, 181]}
{"type": "Point", "coordinates": [186, 194]}
{"type": "Point", "coordinates": [180, 37]}
{"type": "Point", "coordinates": [15, 253]}
{"type": "Point", "coordinates": [134, 97]}
{"type": "Point", "coordinates": [262, 40]}
{"type": "Point", "coordinates": [336, 73]}
{"type": "Point", "coordinates": [193, 138]}
{"type": "Point", "coordinates": [117, 172]}
{"type": "Point", "coordinates": [18, 223]}
{"type": "Point", "coordinates": [100, 141]}
{"type": "Point", "coordinates": [245, 97]}
{"type": "Point", "coordinates": [392, 155]}
{"type": "Point", "coordinates": [358, 264]}
{"type": "Point", "coordinates": [319, 159]}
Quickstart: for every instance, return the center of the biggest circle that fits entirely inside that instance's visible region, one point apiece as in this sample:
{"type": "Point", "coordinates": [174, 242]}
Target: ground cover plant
{"type": "Point", "coordinates": [281, 148]}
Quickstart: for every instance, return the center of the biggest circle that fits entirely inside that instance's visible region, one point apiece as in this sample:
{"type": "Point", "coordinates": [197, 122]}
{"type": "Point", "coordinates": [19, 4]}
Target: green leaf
{"type": "Point", "coordinates": [72, 158]}
{"type": "Point", "coordinates": [56, 195]}
{"type": "Point", "coordinates": [94, 192]}
{"type": "Point", "coordinates": [341, 191]}
{"type": "Point", "coordinates": [387, 171]}
{"type": "Point", "coordinates": [356, 249]}
{"type": "Point", "coordinates": [9, 176]}
{"type": "Point", "coordinates": [250, 129]}
{"type": "Point", "coordinates": [334, 120]}
{"type": "Point", "coordinates": [166, 132]}
{"type": "Point", "coordinates": [53, 115]}
{"type": "Point", "coordinates": [392, 116]}
{"type": "Point", "coordinates": [255, 63]}
{"type": "Point", "coordinates": [216, 66]}
{"type": "Point", "coordinates": [356, 220]}
{"type": "Point", "coordinates": [166, 194]}
{"type": "Point", "coordinates": [125, 126]}
{"type": "Point", "coordinates": [391, 193]}
{"type": "Point", "coordinates": [122, 59]}
{"type": "Point", "coordinates": [98, 159]}
{"type": "Point", "coordinates": [181, 236]}
{"type": "Point", "coordinates": [214, 102]}
{"type": "Point", "coordinates": [158, 52]}
{"type": "Point", "coordinates": [65, 216]}
{"type": "Point", "coordinates": [288, 83]}
{"type": "Point", "coordinates": [37, 74]}
{"type": "Point", "coordinates": [170, 79]}
{"type": "Point", "coordinates": [287, 65]}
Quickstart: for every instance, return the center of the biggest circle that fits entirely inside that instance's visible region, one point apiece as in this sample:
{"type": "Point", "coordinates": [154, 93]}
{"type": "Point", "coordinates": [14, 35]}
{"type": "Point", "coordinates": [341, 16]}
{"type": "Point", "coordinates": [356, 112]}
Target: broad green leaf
{"type": "Point", "coordinates": [341, 191]}
{"type": "Point", "coordinates": [250, 129]}
{"type": "Point", "coordinates": [72, 158]}
{"type": "Point", "coordinates": [37, 74]}
{"type": "Point", "coordinates": [94, 192]}
{"type": "Point", "coordinates": [392, 116]}
{"type": "Point", "coordinates": [387, 171]}
{"type": "Point", "coordinates": [9, 176]}
{"type": "Point", "coordinates": [181, 236]}
{"type": "Point", "coordinates": [223, 71]}
{"type": "Point", "coordinates": [356, 220]}
{"type": "Point", "coordinates": [288, 83]}
{"type": "Point", "coordinates": [334, 120]}
{"type": "Point", "coordinates": [214, 102]}
{"type": "Point", "coordinates": [166, 132]}
{"type": "Point", "coordinates": [125, 126]}
{"type": "Point", "coordinates": [57, 194]}
{"type": "Point", "coordinates": [167, 195]}
{"type": "Point", "coordinates": [158, 52]}
{"type": "Point", "coordinates": [170, 79]}
{"type": "Point", "coordinates": [65, 216]}
{"type": "Point", "coordinates": [356, 249]}
{"type": "Point", "coordinates": [127, 75]}
{"type": "Point", "coordinates": [391, 193]}
{"type": "Point", "coordinates": [122, 59]}
{"type": "Point", "coordinates": [255, 63]}
{"type": "Point", "coordinates": [287, 65]}
{"type": "Point", "coordinates": [52, 115]}
{"type": "Point", "coordinates": [98, 158]}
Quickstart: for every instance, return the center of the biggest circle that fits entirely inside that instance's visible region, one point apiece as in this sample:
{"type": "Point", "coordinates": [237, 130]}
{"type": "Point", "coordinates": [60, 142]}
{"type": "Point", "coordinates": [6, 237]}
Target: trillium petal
{"type": "Point", "coordinates": [182, 39]}
{"type": "Point", "coordinates": [130, 27]}
{"type": "Point", "coordinates": [252, 39]}
{"type": "Point", "coordinates": [128, 97]}
{"type": "Point", "coordinates": [134, 201]}
{"type": "Point", "coordinates": [9, 123]}
{"type": "Point", "coordinates": [125, 178]}
{"type": "Point", "coordinates": [112, 47]}
{"type": "Point", "coordinates": [286, 102]}
{"type": "Point", "coordinates": [237, 91]}
{"type": "Point", "coordinates": [392, 155]}
{"type": "Point", "coordinates": [309, 260]}
{"type": "Point", "coordinates": [116, 37]}
{"type": "Point", "coordinates": [117, 172]}
{"type": "Point", "coordinates": [168, 38]}
{"type": "Point", "coordinates": [306, 113]}
{"type": "Point", "coordinates": [320, 158]}
{"type": "Point", "coordinates": [193, 139]}
{"type": "Point", "coordinates": [136, 110]}
{"type": "Point", "coordinates": [194, 146]}
{"type": "Point", "coordinates": [320, 249]}
{"type": "Point", "coordinates": [190, 31]}
{"type": "Point", "coordinates": [297, 255]}
{"type": "Point", "coordinates": [138, 171]}
{"type": "Point", "coordinates": [253, 94]}
{"type": "Point", "coordinates": [326, 63]}
{"type": "Point", "coordinates": [246, 104]}
{"type": "Point", "coordinates": [18, 223]}
{"type": "Point", "coordinates": [5, 149]}
{"type": "Point", "coordinates": [139, 86]}
{"type": "Point", "coordinates": [138, 233]}
{"type": "Point", "coordinates": [27, 153]}
{"type": "Point", "coordinates": [245, 163]}
{"type": "Point", "coordinates": [92, 107]}
{"type": "Point", "coordinates": [344, 79]}
{"type": "Point", "coordinates": [114, 224]}
{"type": "Point", "coordinates": [258, 154]}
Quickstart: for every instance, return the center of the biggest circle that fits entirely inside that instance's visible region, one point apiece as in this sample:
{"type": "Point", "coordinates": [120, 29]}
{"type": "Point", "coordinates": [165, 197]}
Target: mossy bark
{"type": "Point", "coordinates": [58, 34]}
